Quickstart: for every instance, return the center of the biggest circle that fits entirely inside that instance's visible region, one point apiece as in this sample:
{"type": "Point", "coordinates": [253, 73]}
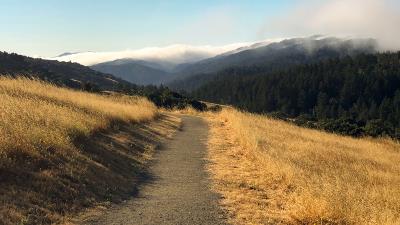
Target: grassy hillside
{"type": "Point", "coordinates": [76, 76]}
{"type": "Point", "coordinates": [56, 154]}
{"type": "Point", "coordinates": [272, 172]}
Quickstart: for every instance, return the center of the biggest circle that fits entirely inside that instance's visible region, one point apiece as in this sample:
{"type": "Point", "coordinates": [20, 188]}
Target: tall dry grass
{"type": "Point", "coordinates": [35, 116]}
{"type": "Point", "coordinates": [272, 172]}
{"type": "Point", "coordinates": [53, 162]}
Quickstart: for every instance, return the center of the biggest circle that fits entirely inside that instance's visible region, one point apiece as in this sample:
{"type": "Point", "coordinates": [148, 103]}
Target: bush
{"type": "Point", "coordinates": [377, 128]}
{"type": "Point", "coordinates": [342, 126]}
{"type": "Point", "coordinates": [198, 105]}
{"type": "Point", "coordinates": [215, 108]}
{"type": "Point", "coordinates": [170, 100]}
{"type": "Point", "coordinates": [305, 120]}
{"type": "Point", "coordinates": [278, 115]}
{"type": "Point", "coordinates": [90, 87]}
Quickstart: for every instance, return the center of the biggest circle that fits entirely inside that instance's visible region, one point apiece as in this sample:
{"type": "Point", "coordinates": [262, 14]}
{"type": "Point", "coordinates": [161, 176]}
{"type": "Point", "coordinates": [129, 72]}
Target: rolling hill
{"type": "Point", "coordinates": [77, 76]}
{"type": "Point", "coordinates": [62, 73]}
{"type": "Point", "coordinates": [135, 71]}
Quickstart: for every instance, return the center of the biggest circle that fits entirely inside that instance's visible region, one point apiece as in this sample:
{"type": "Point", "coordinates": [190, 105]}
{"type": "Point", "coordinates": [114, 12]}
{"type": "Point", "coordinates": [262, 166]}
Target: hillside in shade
{"type": "Point", "coordinates": [61, 73]}
{"type": "Point", "coordinates": [134, 71]}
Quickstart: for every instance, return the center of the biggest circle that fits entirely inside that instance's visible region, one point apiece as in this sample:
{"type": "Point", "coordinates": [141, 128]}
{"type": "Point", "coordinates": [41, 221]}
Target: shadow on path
{"type": "Point", "coordinates": [176, 188]}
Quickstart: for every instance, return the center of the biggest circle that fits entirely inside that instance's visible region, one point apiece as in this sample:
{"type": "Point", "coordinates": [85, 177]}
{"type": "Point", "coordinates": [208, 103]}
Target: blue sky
{"type": "Point", "coordinates": [50, 27]}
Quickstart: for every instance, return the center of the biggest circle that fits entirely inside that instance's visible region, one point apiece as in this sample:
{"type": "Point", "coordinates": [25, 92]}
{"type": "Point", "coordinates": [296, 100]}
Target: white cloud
{"type": "Point", "coordinates": [173, 53]}
{"type": "Point", "coordinates": [215, 23]}
{"type": "Point", "coordinates": [378, 19]}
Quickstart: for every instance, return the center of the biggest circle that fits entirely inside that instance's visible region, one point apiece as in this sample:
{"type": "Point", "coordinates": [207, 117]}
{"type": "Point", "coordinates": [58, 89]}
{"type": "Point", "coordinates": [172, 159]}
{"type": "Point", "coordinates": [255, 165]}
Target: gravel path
{"type": "Point", "coordinates": [177, 187]}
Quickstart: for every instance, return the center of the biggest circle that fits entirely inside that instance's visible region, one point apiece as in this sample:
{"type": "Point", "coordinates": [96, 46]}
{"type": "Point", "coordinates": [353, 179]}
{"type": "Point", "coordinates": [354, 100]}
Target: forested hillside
{"type": "Point", "coordinates": [269, 58]}
{"type": "Point", "coordinates": [351, 95]}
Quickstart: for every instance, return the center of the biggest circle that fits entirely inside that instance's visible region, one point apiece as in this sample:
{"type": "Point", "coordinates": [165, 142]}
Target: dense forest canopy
{"type": "Point", "coordinates": [351, 95]}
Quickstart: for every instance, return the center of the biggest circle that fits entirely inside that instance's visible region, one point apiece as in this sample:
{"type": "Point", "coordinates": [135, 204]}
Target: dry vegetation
{"type": "Point", "coordinates": [272, 172]}
{"type": "Point", "coordinates": [58, 155]}
{"type": "Point", "coordinates": [41, 115]}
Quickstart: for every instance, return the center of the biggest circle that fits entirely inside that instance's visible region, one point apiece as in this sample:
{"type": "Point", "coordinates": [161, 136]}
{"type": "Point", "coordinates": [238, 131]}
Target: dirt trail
{"type": "Point", "coordinates": [176, 189]}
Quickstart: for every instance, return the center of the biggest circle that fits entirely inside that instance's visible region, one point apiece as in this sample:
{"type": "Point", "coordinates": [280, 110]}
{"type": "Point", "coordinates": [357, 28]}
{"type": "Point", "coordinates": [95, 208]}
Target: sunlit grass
{"type": "Point", "coordinates": [272, 172]}
{"type": "Point", "coordinates": [36, 116]}
{"type": "Point", "coordinates": [50, 167]}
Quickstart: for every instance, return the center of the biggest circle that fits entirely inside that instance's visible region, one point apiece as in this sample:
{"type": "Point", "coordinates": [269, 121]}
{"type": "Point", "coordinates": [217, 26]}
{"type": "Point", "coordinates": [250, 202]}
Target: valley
{"type": "Point", "coordinates": [340, 85]}
{"type": "Point", "coordinates": [108, 170]}
{"type": "Point", "coordinates": [94, 148]}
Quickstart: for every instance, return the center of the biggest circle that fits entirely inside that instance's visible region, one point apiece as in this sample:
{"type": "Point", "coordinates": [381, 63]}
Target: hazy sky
{"type": "Point", "coordinates": [51, 27]}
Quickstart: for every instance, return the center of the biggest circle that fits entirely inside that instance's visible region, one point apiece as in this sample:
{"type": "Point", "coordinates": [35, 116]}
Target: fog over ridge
{"type": "Point", "coordinates": [378, 19]}
{"type": "Point", "coordinates": [177, 54]}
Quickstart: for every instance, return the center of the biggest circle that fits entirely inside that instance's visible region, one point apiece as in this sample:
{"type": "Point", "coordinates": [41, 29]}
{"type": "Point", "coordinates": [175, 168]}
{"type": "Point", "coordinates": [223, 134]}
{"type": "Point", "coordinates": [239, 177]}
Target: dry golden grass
{"type": "Point", "coordinates": [47, 169]}
{"type": "Point", "coordinates": [272, 172]}
{"type": "Point", "coordinates": [40, 115]}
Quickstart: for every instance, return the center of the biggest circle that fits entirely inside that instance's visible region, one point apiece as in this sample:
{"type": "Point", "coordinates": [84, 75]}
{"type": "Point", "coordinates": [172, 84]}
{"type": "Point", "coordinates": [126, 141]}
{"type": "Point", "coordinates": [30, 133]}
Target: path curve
{"type": "Point", "coordinates": [178, 190]}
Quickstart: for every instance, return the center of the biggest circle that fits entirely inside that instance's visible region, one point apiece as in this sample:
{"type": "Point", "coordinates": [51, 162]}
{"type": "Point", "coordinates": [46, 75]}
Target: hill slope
{"type": "Point", "coordinates": [62, 73]}
{"type": "Point", "coordinates": [134, 71]}
{"type": "Point", "coordinates": [272, 172]}
{"type": "Point", "coordinates": [62, 151]}
{"type": "Point", "coordinates": [76, 76]}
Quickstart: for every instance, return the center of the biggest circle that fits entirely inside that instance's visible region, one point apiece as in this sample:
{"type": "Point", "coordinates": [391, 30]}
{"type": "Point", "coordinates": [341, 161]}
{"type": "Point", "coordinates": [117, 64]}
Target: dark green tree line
{"type": "Point", "coordinates": [351, 95]}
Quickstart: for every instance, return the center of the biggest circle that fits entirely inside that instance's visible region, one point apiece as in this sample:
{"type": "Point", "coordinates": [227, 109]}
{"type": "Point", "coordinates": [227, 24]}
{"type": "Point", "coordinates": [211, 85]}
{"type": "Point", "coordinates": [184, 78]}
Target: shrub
{"type": "Point", "coordinates": [377, 128]}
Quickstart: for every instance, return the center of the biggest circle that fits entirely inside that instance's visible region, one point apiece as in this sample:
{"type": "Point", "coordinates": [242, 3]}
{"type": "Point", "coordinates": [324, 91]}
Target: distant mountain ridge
{"type": "Point", "coordinates": [184, 67]}
{"type": "Point", "coordinates": [260, 55]}
{"type": "Point", "coordinates": [135, 71]}
{"type": "Point", "coordinates": [274, 56]}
